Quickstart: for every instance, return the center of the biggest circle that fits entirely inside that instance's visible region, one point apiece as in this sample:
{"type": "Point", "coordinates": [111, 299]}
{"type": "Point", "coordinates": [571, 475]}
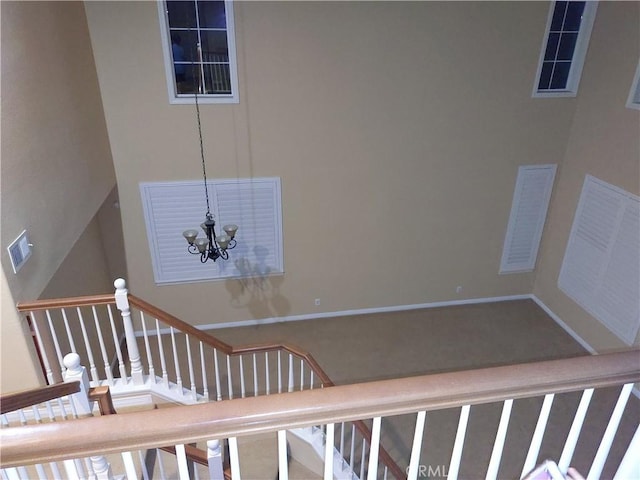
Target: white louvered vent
{"type": "Point", "coordinates": [601, 266]}
{"type": "Point", "coordinates": [526, 221]}
{"type": "Point", "coordinates": [252, 204]}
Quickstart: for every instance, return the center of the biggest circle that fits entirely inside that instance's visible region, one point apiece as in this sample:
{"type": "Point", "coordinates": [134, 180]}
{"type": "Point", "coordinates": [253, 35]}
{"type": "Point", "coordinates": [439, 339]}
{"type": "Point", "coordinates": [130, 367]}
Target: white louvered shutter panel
{"type": "Point", "coordinates": [601, 266]}
{"type": "Point", "coordinates": [252, 204]}
{"type": "Point", "coordinates": [526, 220]}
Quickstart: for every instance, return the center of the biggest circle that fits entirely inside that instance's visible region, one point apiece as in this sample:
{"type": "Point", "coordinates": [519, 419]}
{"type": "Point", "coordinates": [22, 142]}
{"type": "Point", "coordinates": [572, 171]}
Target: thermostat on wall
{"type": "Point", "coordinates": [19, 251]}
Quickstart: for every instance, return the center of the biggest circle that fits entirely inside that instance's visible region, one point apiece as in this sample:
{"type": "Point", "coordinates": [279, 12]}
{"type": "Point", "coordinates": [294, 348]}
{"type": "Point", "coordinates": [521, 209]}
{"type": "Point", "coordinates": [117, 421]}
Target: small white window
{"type": "Point", "coordinates": [173, 207]}
{"type": "Point", "coordinates": [564, 48]}
{"type": "Point", "coordinates": [198, 42]}
{"type": "Point", "coordinates": [634, 94]}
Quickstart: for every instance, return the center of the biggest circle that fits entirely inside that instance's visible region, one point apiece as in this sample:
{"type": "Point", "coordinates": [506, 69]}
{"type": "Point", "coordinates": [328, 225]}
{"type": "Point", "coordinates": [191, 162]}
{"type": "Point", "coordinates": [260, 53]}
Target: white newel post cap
{"type": "Point", "coordinates": [121, 294]}
{"type": "Point", "coordinates": [72, 362]}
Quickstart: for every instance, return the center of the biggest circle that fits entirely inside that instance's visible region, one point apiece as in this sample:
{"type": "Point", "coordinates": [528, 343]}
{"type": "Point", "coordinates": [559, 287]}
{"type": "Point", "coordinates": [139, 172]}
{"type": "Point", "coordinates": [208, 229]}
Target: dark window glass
{"type": "Point", "coordinates": [558, 16]}
{"type": "Point", "coordinates": [545, 75]}
{"type": "Point", "coordinates": [567, 46]}
{"type": "Point", "coordinates": [182, 14]}
{"type": "Point", "coordinates": [552, 46]}
{"type": "Point", "coordinates": [574, 16]}
{"type": "Point", "coordinates": [212, 14]}
{"type": "Point", "coordinates": [560, 75]}
{"type": "Point", "coordinates": [214, 42]}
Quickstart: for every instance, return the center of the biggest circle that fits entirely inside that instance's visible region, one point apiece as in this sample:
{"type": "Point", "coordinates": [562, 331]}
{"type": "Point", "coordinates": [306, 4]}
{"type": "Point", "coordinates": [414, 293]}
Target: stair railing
{"type": "Point", "coordinates": [416, 395]}
{"type": "Point", "coordinates": [147, 346]}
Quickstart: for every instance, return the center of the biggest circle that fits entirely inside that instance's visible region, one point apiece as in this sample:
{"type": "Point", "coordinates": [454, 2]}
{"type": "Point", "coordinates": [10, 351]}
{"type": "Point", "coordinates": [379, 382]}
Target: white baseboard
{"type": "Point", "coordinates": [361, 311]}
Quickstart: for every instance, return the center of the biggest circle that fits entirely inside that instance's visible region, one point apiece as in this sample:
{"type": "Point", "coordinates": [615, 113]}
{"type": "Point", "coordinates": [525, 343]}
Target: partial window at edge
{"type": "Point", "coordinates": [564, 48]}
{"type": "Point", "coordinates": [634, 95]}
{"type": "Point", "coordinates": [198, 43]}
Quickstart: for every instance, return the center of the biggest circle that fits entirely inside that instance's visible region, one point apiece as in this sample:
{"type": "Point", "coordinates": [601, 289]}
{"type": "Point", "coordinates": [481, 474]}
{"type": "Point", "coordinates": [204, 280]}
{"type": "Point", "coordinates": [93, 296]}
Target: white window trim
{"type": "Point", "coordinates": [579, 54]}
{"type": "Point", "coordinates": [168, 61]}
{"type": "Point", "coordinates": [635, 89]}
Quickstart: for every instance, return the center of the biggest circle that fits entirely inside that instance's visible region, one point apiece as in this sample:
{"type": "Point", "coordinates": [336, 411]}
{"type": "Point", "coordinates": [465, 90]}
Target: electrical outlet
{"type": "Point", "coordinates": [459, 289]}
{"type": "Point", "coordinates": [19, 251]}
{"type": "Point", "coordinates": [317, 302]}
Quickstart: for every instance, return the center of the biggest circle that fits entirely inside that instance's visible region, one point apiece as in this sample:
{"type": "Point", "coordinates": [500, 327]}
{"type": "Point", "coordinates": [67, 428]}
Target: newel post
{"type": "Point", "coordinates": [214, 458]}
{"type": "Point", "coordinates": [76, 372]}
{"type": "Point", "coordinates": [122, 303]}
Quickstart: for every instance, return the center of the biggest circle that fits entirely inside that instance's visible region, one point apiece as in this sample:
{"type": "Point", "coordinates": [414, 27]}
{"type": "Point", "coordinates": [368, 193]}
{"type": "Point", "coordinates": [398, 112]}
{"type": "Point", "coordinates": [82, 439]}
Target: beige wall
{"type": "Point", "coordinates": [604, 141]}
{"type": "Point", "coordinates": [397, 129]}
{"type": "Point", "coordinates": [56, 160]}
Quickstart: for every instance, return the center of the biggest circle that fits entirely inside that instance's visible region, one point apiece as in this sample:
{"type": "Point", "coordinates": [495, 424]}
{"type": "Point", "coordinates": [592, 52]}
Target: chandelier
{"type": "Point", "coordinates": [213, 246]}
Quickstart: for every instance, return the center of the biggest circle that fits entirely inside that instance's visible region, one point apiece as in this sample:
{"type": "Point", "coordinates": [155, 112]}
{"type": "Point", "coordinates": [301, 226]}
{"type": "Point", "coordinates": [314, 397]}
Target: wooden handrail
{"type": "Point", "coordinates": [86, 301]}
{"type": "Point", "coordinates": [225, 347]}
{"type": "Point", "coordinates": [102, 395]}
{"type": "Point", "coordinates": [35, 396]}
{"type": "Point", "coordinates": [270, 413]}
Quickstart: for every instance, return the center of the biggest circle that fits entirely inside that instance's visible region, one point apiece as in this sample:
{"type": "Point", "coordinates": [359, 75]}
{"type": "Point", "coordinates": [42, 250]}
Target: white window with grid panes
{"type": "Point", "coordinates": [564, 48]}
{"type": "Point", "coordinates": [198, 43]}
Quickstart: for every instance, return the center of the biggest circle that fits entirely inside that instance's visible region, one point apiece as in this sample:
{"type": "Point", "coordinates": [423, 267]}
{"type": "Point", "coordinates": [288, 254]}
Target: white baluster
{"type": "Point", "coordinates": [301, 374]}
{"type": "Point", "coordinates": [56, 343]}
{"type": "Point", "coordinates": [538, 434]}
{"type": "Point", "coordinates": [363, 457]}
{"type": "Point", "coordinates": [498, 445]}
{"type": "Point", "coordinates": [101, 468]}
{"type": "Point", "coordinates": [574, 432]}
{"type": "Point", "coordinates": [609, 433]}
{"type": "Point", "coordinates": [143, 465]}
{"type": "Point", "coordinates": [418, 434]}
{"type": "Point", "coordinates": [176, 364]}
{"type": "Point", "coordinates": [76, 372]}
{"type": "Point", "coordinates": [181, 457]}
{"type": "Point", "coordinates": [630, 465]}
{"type": "Point", "coordinates": [163, 361]}
{"type": "Point", "coordinates": [266, 373]}
{"type": "Point", "coordinates": [283, 462]}
{"type": "Point", "coordinates": [328, 452]}
{"type": "Point", "coordinates": [342, 440]}
{"type": "Point", "coordinates": [229, 381]}
{"type": "Point", "coordinates": [42, 474]}
{"type": "Point", "coordinates": [129, 466]}
{"type": "Point", "coordinates": [192, 380]}
{"type": "Point", "coordinates": [103, 348]}
{"type": "Point", "coordinates": [372, 472]}
{"type": "Point", "coordinates": [290, 386]}
{"type": "Point", "coordinates": [279, 373]}
{"type": "Point", "coordinates": [216, 367]}
{"type": "Point", "coordinates": [116, 342]}
{"type": "Point", "coordinates": [45, 358]}
{"type": "Point", "coordinates": [214, 459]}
{"type": "Point", "coordinates": [234, 459]}
{"type": "Point", "coordinates": [87, 344]}
{"type": "Point", "coordinates": [72, 343]}
{"type": "Point", "coordinates": [242, 390]}
{"type": "Point", "coordinates": [255, 376]}
{"type": "Point", "coordinates": [147, 347]}
{"type": "Point", "coordinates": [71, 470]}
{"type": "Point", "coordinates": [456, 454]}
{"type": "Point", "coordinates": [122, 303]}
{"type": "Point", "coordinates": [312, 380]}
{"type": "Point", "coordinates": [203, 367]}
{"type": "Point", "coordinates": [353, 447]}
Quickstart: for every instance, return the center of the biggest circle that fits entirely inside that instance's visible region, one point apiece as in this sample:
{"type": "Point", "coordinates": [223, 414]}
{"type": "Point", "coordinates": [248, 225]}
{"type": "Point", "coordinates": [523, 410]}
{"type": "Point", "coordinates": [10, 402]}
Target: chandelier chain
{"type": "Point", "coordinates": [204, 168]}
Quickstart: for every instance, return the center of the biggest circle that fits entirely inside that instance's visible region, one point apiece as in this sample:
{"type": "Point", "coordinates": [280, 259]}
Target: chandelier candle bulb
{"type": "Point", "coordinates": [190, 235]}
{"type": "Point", "coordinates": [223, 241]}
{"type": "Point", "coordinates": [230, 230]}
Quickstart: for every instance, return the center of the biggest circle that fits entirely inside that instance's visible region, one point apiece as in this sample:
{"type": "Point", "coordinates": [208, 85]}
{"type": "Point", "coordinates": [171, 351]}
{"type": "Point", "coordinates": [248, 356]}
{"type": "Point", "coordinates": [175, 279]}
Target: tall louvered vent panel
{"type": "Point", "coordinates": [601, 266]}
{"type": "Point", "coordinates": [526, 221]}
{"type": "Point", "coordinates": [253, 204]}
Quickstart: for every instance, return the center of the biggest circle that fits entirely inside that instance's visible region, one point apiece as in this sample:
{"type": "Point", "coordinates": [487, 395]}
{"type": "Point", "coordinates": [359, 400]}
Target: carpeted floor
{"type": "Point", "coordinates": [378, 346]}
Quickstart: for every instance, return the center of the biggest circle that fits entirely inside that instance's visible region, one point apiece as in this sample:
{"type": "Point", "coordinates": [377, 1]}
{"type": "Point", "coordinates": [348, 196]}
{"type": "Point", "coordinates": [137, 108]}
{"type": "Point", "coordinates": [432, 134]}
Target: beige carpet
{"type": "Point", "coordinates": [362, 348]}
